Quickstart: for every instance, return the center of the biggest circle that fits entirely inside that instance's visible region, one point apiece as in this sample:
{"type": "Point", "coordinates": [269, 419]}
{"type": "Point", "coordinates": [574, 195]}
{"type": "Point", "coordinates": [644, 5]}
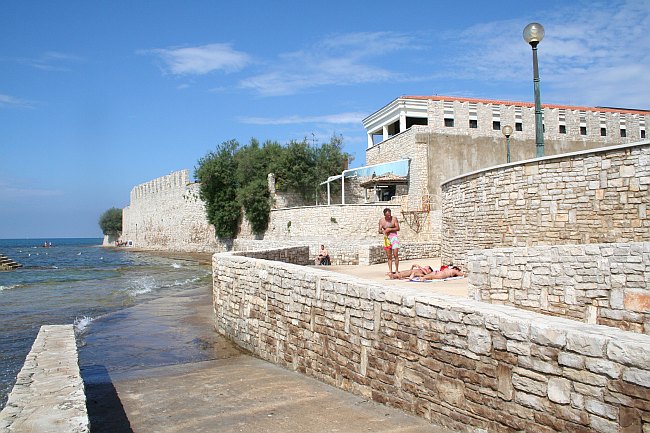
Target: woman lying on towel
{"type": "Point", "coordinates": [448, 272]}
{"type": "Point", "coordinates": [418, 271]}
{"type": "Point", "coordinates": [415, 271]}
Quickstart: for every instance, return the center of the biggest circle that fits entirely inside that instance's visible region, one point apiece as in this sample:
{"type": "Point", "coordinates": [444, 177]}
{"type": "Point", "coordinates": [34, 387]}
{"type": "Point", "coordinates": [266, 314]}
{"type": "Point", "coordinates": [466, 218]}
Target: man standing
{"type": "Point", "coordinates": [389, 226]}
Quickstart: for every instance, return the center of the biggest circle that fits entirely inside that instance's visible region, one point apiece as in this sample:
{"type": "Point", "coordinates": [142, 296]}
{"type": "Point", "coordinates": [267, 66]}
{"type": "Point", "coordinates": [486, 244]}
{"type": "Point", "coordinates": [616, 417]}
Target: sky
{"type": "Point", "coordinates": [97, 97]}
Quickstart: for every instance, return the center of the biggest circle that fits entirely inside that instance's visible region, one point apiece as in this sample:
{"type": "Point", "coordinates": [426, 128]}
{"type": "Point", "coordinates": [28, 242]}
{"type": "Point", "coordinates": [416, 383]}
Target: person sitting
{"type": "Point", "coordinates": [323, 257]}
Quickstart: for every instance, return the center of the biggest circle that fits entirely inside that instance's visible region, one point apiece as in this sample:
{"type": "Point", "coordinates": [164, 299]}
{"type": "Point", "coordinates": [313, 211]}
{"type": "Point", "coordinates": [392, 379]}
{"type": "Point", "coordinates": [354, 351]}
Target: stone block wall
{"type": "Point", "coordinates": [49, 393]}
{"type": "Point", "coordinates": [466, 365]}
{"type": "Point", "coordinates": [608, 284]}
{"type": "Point", "coordinates": [295, 255]}
{"type": "Point", "coordinates": [168, 214]}
{"type": "Point", "coordinates": [595, 196]}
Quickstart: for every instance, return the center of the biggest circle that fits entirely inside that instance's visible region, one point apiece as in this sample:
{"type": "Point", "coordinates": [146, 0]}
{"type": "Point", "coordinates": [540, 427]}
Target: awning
{"type": "Point", "coordinates": [394, 170]}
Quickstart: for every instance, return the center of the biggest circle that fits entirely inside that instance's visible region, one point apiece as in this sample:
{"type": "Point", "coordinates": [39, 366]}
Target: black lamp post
{"type": "Point", "coordinates": [507, 131]}
{"type": "Point", "coordinates": [533, 34]}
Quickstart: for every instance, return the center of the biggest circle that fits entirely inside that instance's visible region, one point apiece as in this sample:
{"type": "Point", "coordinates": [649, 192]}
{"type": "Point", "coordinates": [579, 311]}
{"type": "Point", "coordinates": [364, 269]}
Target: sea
{"type": "Point", "coordinates": [77, 281]}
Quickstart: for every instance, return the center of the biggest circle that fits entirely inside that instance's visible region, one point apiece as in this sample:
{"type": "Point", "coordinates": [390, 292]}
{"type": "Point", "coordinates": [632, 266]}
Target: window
{"type": "Point", "coordinates": [449, 122]}
{"type": "Point", "coordinates": [623, 132]}
{"type": "Point", "coordinates": [643, 133]}
{"type": "Point", "coordinates": [562, 129]}
{"type": "Point", "coordinates": [473, 123]}
{"type": "Point", "coordinates": [583, 130]}
{"type": "Point", "coordinates": [496, 125]}
{"type": "Point", "coordinates": [603, 132]}
{"type": "Point", "coordinates": [519, 126]}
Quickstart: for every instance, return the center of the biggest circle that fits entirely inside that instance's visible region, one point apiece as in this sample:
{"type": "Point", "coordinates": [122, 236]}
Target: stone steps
{"type": "Point", "coordinates": [7, 264]}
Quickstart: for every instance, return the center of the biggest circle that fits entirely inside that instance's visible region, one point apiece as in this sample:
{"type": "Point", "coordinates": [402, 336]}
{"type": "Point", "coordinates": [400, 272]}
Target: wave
{"type": "Point", "coordinates": [81, 323]}
{"type": "Point", "coordinates": [176, 266]}
{"type": "Point", "coordinates": [9, 287]}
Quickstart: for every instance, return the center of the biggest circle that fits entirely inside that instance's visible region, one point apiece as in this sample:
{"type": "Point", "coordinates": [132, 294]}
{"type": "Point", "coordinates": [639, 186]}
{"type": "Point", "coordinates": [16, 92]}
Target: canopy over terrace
{"type": "Point", "coordinates": [395, 170]}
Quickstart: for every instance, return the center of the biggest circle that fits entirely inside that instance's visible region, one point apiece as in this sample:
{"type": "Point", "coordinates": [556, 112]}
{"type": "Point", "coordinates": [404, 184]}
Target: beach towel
{"type": "Point", "coordinates": [420, 280]}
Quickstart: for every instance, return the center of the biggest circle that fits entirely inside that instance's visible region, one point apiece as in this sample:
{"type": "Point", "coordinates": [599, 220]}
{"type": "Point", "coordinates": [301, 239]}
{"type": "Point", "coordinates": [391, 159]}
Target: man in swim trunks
{"type": "Point", "coordinates": [389, 226]}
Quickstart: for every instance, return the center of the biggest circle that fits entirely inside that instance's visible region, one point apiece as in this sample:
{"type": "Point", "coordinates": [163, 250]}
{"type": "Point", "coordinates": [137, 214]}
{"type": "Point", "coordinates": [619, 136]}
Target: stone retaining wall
{"type": "Point", "coordinates": [595, 196]}
{"type": "Point", "coordinates": [608, 284]}
{"type": "Point", "coordinates": [49, 392]}
{"type": "Point", "coordinates": [295, 255]}
{"type": "Point", "coordinates": [467, 365]}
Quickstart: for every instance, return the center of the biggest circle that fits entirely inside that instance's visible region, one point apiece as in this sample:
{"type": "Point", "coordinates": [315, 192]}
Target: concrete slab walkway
{"type": "Point", "coordinates": [227, 391]}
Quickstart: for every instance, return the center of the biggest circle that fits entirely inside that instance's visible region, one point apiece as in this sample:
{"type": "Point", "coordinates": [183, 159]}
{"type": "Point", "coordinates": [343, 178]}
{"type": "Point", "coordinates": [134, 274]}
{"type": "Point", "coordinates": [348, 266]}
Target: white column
{"type": "Point", "coordinates": [370, 141]}
{"type": "Point", "coordinates": [402, 121]}
{"type": "Point", "coordinates": [384, 132]}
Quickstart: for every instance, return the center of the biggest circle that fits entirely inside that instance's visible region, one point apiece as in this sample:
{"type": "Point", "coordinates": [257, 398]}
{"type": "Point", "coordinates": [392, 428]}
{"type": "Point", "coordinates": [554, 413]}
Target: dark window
{"type": "Point", "coordinates": [623, 132]}
{"type": "Point", "coordinates": [449, 122]}
{"type": "Point", "coordinates": [583, 130]}
{"type": "Point", "coordinates": [496, 125]}
{"type": "Point", "coordinates": [410, 121]}
{"type": "Point", "coordinates": [562, 129]}
{"type": "Point", "coordinates": [603, 132]}
{"type": "Point", "coordinates": [473, 123]}
{"type": "Point", "coordinates": [643, 133]}
{"type": "Point", "coordinates": [519, 126]}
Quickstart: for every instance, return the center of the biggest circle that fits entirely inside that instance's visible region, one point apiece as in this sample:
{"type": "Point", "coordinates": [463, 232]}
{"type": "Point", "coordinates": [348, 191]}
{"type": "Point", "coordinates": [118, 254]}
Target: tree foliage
{"type": "Point", "coordinates": [234, 177]}
{"type": "Point", "coordinates": [111, 222]}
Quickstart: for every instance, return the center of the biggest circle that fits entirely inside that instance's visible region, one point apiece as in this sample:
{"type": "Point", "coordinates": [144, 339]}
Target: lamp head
{"type": "Point", "coordinates": [507, 131]}
{"type": "Point", "coordinates": [533, 33]}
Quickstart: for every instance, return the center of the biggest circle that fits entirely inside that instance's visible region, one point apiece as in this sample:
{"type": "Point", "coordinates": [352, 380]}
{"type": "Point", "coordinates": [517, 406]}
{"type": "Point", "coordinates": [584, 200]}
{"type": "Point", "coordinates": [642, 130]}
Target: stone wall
{"type": "Point", "coordinates": [585, 197]}
{"type": "Point", "coordinates": [49, 393]}
{"type": "Point", "coordinates": [463, 364]}
{"type": "Point", "coordinates": [295, 255]}
{"type": "Point", "coordinates": [168, 214]}
{"type": "Point", "coordinates": [608, 284]}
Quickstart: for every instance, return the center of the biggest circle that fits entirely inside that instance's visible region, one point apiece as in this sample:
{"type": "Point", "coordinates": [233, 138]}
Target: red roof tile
{"type": "Point", "coordinates": [528, 104]}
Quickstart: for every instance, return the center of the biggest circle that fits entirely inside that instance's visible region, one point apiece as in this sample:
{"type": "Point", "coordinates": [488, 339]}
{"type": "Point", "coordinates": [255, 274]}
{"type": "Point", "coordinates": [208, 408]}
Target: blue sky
{"type": "Point", "coordinates": [97, 96]}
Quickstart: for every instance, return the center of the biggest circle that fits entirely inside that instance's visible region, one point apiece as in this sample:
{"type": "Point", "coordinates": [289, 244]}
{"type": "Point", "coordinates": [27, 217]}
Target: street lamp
{"type": "Point", "coordinates": [507, 131]}
{"type": "Point", "coordinates": [533, 35]}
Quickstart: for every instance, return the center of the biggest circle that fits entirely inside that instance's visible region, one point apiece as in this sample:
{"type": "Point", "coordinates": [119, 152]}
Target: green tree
{"type": "Point", "coordinates": [217, 174]}
{"type": "Point", "coordinates": [234, 177]}
{"type": "Point", "coordinates": [111, 222]}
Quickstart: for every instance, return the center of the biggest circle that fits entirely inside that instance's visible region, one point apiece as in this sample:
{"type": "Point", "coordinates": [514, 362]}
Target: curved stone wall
{"type": "Point", "coordinates": [466, 365]}
{"type": "Point", "coordinates": [596, 196]}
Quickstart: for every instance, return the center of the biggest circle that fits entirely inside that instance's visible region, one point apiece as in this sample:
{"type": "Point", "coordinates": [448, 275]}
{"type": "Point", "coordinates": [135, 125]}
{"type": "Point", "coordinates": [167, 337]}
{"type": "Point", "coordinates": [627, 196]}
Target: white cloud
{"type": "Point", "coordinates": [10, 101]}
{"type": "Point", "coordinates": [12, 191]}
{"type": "Point", "coordinates": [336, 60]}
{"type": "Point", "coordinates": [339, 119]}
{"type": "Point", "coordinates": [592, 53]}
{"type": "Point", "coordinates": [51, 61]}
{"type": "Point", "coordinates": [202, 59]}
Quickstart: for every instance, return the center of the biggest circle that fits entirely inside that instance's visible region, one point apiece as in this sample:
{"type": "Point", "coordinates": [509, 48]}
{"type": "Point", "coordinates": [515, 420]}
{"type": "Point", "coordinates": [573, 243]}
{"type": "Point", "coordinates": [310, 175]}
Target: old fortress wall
{"type": "Point", "coordinates": [168, 214]}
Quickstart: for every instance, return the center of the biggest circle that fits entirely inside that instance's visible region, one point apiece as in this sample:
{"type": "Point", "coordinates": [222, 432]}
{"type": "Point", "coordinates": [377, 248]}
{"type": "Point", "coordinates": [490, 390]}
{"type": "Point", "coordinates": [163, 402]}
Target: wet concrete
{"type": "Point", "coordinates": [184, 377]}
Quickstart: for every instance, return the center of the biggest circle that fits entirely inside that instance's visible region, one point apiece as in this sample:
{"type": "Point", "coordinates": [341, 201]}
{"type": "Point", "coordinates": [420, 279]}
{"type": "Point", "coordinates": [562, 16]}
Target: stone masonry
{"type": "Point", "coordinates": [608, 284]}
{"type": "Point", "coordinates": [466, 365]}
{"type": "Point", "coordinates": [48, 396]}
{"type": "Point", "coordinates": [596, 196]}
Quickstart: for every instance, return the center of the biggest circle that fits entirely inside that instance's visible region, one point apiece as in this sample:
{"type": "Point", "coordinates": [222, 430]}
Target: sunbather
{"type": "Point", "coordinates": [452, 271]}
{"type": "Point", "coordinates": [415, 271]}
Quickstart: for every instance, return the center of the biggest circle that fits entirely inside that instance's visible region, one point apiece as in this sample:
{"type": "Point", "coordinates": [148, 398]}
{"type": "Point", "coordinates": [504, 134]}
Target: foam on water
{"type": "Point", "coordinates": [81, 323]}
{"type": "Point", "coordinates": [176, 266]}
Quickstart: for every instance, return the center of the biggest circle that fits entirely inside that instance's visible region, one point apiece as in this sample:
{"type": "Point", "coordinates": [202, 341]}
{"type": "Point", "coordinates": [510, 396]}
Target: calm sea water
{"type": "Point", "coordinates": [77, 281]}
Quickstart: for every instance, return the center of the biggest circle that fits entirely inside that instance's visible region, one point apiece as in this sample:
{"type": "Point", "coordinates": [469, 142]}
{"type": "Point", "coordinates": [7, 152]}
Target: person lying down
{"type": "Point", "coordinates": [423, 273]}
